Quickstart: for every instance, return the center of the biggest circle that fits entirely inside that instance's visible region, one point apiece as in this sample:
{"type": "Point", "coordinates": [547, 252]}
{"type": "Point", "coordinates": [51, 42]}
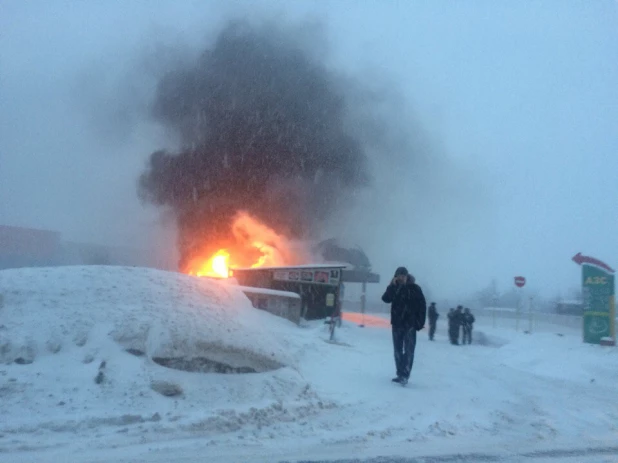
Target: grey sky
{"type": "Point", "coordinates": [519, 101]}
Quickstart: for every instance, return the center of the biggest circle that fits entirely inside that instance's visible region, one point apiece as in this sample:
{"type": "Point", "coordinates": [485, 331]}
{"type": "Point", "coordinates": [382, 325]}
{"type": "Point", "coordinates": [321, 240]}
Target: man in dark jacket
{"type": "Point", "coordinates": [452, 324]}
{"type": "Point", "coordinates": [458, 323]}
{"type": "Point", "coordinates": [408, 313]}
{"type": "Point", "coordinates": [433, 320]}
{"type": "Point", "coordinates": [468, 321]}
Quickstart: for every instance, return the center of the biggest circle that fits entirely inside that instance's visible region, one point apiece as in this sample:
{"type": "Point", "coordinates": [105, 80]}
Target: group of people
{"type": "Point", "coordinates": [408, 315]}
{"type": "Point", "coordinates": [460, 320]}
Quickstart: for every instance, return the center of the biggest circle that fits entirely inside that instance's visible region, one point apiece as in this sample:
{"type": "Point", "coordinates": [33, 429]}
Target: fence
{"type": "Point", "coordinates": [496, 317]}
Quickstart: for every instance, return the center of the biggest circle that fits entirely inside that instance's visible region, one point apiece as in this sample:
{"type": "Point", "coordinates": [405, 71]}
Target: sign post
{"type": "Point", "coordinates": [363, 302]}
{"type": "Point", "coordinates": [519, 282]}
{"type": "Point", "coordinates": [598, 289]}
{"type": "Point", "coordinates": [530, 316]}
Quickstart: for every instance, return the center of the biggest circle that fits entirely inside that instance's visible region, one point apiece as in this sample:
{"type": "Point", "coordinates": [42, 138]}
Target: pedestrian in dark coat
{"type": "Point", "coordinates": [408, 314]}
{"type": "Point", "coordinates": [452, 325]}
{"type": "Point", "coordinates": [433, 320]}
{"type": "Point", "coordinates": [458, 319]}
{"type": "Point", "coordinates": [468, 321]}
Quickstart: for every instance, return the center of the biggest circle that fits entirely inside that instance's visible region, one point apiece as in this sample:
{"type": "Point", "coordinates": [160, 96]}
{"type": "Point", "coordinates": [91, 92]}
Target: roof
{"type": "Point", "coordinates": [251, 289]}
{"type": "Point", "coordinates": [270, 292]}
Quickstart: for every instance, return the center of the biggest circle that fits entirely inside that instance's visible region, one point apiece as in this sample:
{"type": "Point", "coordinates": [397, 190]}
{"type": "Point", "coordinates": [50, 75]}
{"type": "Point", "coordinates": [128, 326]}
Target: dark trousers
{"type": "Point", "coordinates": [432, 329]}
{"type": "Point", "coordinates": [453, 332]}
{"type": "Point", "coordinates": [467, 335]}
{"type": "Point", "coordinates": [404, 343]}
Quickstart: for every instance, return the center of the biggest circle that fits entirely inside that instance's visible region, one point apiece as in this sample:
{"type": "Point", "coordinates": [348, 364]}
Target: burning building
{"type": "Point", "coordinates": [250, 244]}
{"type": "Point", "coordinates": [261, 258]}
{"type": "Point", "coordinates": [319, 286]}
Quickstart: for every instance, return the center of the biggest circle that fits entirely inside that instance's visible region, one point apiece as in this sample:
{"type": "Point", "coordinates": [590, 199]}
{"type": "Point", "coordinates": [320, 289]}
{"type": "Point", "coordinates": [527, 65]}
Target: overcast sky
{"type": "Point", "coordinates": [518, 101]}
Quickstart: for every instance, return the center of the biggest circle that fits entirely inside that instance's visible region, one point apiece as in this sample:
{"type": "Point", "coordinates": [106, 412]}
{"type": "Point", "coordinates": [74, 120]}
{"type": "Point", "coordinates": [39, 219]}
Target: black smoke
{"type": "Point", "coordinates": [263, 129]}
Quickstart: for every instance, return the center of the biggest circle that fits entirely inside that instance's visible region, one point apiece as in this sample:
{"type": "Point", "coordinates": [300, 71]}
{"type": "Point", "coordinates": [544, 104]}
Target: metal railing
{"type": "Point", "coordinates": [497, 317]}
{"type": "Point", "coordinates": [523, 320]}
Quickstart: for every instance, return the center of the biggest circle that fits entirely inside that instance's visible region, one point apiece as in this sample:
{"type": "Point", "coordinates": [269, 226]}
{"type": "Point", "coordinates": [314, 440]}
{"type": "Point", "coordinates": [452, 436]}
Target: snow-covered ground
{"type": "Point", "coordinates": [83, 379]}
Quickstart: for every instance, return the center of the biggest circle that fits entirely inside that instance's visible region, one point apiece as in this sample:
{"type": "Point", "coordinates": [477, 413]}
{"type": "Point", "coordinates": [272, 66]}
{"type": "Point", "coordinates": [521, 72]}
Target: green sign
{"type": "Point", "coordinates": [599, 303]}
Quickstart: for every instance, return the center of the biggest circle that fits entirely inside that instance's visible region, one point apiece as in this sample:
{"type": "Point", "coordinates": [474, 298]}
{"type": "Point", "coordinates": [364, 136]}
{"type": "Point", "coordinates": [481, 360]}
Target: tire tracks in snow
{"type": "Point", "coordinates": [582, 454]}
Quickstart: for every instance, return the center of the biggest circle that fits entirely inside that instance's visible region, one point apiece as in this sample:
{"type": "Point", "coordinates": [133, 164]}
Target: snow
{"type": "Point", "coordinates": [250, 289]}
{"type": "Point", "coordinates": [266, 291]}
{"type": "Point", "coordinates": [308, 399]}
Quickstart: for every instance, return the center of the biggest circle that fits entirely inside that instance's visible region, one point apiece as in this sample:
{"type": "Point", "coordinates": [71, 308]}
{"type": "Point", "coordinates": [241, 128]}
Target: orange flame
{"type": "Point", "coordinates": [256, 245]}
{"type": "Point", "coordinates": [217, 266]}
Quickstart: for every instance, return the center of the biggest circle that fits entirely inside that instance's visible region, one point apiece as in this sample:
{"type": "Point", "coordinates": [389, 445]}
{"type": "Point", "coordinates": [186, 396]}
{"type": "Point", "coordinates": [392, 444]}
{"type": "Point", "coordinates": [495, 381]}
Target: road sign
{"type": "Point", "coordinates": [579, 260]}
{"type": "Point", "coordinates": [520, 282]}
{"type": "Point", "coordinates": [598, 290]}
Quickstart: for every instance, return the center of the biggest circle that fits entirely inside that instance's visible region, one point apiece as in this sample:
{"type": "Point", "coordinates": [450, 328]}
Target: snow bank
{"type": "Point", "coordinates": [159, 314]}
{"type": "Point", "coordinates": [86, 348]}
{"type": "Point", "coordinates": [565, 358]}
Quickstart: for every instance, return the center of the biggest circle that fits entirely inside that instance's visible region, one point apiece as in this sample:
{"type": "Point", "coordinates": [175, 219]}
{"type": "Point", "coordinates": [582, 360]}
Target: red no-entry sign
{"type": "Point", "coordinates": [520, 282]}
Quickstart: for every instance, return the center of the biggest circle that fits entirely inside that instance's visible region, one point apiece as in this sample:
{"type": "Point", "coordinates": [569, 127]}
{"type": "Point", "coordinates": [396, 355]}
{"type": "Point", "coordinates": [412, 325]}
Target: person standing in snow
{"type": "Point", "coordinates": [452, 323]}
{"type": "Point", "coordinates": [433, 320]}
{"type": "Point", "coordinates": [458, 323]}
{"type": "Point", "coordinates": [468, 321]}
{"type": "Point", "coordinates": [408, 313]}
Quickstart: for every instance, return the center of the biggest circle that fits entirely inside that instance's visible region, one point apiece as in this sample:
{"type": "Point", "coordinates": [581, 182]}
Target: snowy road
{"type": "Point", "coordinates": [191, 454]}
{"type": "Point", "coordinates": [583, 455]}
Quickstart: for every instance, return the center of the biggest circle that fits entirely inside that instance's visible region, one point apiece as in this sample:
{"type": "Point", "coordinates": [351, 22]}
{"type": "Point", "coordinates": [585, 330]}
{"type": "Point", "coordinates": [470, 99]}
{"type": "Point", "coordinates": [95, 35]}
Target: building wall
{"type": "Point", "coordinates": [282, 306]}
{"type": "Point", "coordinates": [27, 247]}
{"type": "Point", "coordinates": [92, 254]}
{"type": "Point", "coordinates": [570, 308]}
{"type": "Point", "coordinates": [313, 296]}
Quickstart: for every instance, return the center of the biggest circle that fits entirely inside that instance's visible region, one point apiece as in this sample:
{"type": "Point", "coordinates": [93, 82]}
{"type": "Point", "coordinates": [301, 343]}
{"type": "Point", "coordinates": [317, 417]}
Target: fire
{"type": "Point", "coordinates": [217, 266]}
{"type": "Point", "coordinates": [255, 245]}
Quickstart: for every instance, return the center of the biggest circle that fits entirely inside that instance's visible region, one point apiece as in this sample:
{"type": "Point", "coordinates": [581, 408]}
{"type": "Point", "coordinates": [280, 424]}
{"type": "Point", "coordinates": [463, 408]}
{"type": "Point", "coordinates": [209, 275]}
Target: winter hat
{"type": "Point", "coordinates": [401, 271]}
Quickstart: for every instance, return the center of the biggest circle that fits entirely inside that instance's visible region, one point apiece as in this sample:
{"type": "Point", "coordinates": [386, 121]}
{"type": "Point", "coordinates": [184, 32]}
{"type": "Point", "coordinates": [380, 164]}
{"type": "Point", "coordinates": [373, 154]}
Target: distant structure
{"type": "Point", "coordinates": [29, 247]}
{"type": "Point", "coordinates": [356, 270]}
{"type": "Point", "coordinates": [357, 266]}
{"type": "Point", "coordinates": [330, 250]}
{"type": "Point", "coordinates": [570, 307]}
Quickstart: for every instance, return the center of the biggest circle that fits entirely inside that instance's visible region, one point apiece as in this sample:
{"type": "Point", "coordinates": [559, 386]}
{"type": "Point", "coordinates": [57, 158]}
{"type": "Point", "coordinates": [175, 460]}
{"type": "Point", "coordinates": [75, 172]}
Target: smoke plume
{"type": "Point", "coordinates": [262, 124]}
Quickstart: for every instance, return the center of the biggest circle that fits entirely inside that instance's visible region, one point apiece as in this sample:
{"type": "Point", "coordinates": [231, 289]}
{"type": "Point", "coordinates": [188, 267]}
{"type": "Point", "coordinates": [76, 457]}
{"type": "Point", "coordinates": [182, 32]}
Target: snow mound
{"type": "Point", "coordinates": [483, 339]}
{"type": "Point", "coordinates": [84, 348]}
{"type": "Point", "coordinates": [178, 321]}
{"type": "Point", "coordinates": [587, 363]}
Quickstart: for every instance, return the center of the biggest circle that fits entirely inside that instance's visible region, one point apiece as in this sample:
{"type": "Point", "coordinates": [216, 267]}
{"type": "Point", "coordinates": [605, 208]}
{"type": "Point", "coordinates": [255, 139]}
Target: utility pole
{"type": "Point", "coordinates": [493, 312]}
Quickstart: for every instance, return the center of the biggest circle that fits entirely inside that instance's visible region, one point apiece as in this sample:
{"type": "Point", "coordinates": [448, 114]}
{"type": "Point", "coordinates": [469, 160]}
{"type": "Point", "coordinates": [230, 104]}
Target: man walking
{"type": "Point", "coordinates": [408, 313]}
{"type": "Point", "coordinates": [433, 320]}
